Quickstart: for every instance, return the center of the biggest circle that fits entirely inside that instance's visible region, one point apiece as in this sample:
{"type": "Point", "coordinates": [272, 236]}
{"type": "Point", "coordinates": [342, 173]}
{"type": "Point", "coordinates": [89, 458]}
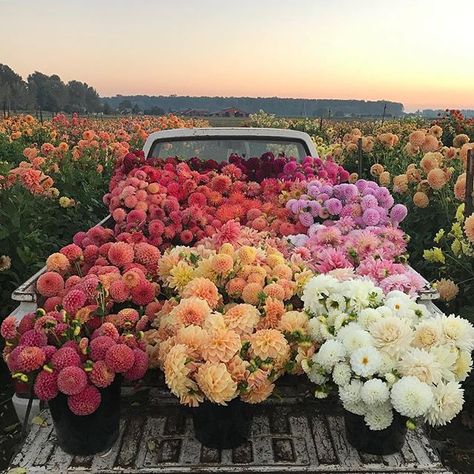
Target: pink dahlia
{"type": "Point", "coordinates": [51, 303]}
{"type": "Point", "coordinates": [120, 358]}
{"type": "Point", "coordinates": [143, 293]}
{"type": "Point", "coordinates": [30, 358]}
{"type": "Point", "coordinates": [331, 258]}
{"type": "Point", "coordinates": [139, 367]}
{"type": "Point", "coordinates": [127, 317]}
{"type": "Point", "coordinates": [101, 376]}
{"type": "Point", "coordinates": [119, 291]}
{"type": "Point", "coordinates": [86, 402]}
{"type": "Point", "coordinates": [27, 322]}
{"type": "Point", "coordinates": [33, 338]}
{"type": "Point", "coordinates": [49, 351]}
{"type": "Point", "coordinates": [72, 251]}
{"type": "Point", "coordinates": [72, 281]}
{"type": "Point", "coordinates": [89, 286]}
{"type": "Point", "coordinates": [8, 328]}
{"type": "Point", "coordinates": [120, 253]}
{"type": "Point", "coordinates": [50, 284]}
{"type": "Point", "coordinates": [99, 346]}
{"type": "Point", "coordinates": [74, 300]}
{"type": "Point", "coordinates": [72, 380]}
{"type": "Point", "coordinates": [106, 329]}
{"type": "Point", "coordinates": [46, 385]}
{"type": "Point", "coordinates": [65, 357]}
{"type": "Point", "coordinates": [147, 254]}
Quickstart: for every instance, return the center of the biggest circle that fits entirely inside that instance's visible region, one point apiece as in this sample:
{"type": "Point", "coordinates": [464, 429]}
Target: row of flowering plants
{"type": "Point", "coordinates": [52, 179]}
{"type": "Point", "coordinates": [424, 165]}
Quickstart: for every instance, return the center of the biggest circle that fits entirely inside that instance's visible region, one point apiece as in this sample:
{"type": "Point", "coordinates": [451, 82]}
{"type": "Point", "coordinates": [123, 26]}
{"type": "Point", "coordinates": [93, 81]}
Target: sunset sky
{"type": "Point", "coordinates": [418, 52]}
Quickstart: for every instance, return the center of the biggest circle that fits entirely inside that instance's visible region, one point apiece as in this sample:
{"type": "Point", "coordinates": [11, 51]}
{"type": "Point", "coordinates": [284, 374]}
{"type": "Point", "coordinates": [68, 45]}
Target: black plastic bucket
{"type": "Point", "coordinates": [89, 434]}
{"type": "Point", "coordinates": [387, 441]}
{"type": "Point", "coordinates": [222, 427]}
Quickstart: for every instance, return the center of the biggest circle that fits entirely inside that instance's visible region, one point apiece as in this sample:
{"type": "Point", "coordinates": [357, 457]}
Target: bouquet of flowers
{"type": "Point", "coordinates": [57, 353]}
{"type": "Point", "coordinates": [386, 354]}
{"type": "Point", "coordinates": [230, 325]}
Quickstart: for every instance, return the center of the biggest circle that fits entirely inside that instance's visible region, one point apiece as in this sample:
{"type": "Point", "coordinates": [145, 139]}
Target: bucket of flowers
{"type": "Point", "coordinates": [229, 328]}
{"type": "Point", "coordinates": [391, 362]}
{"type": "Point", "coordinates": [76, 364]}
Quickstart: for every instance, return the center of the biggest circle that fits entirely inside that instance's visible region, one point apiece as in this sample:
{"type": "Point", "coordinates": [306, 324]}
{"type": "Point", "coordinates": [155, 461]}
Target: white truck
{"type": "Point", "coordinates": [219, 144]}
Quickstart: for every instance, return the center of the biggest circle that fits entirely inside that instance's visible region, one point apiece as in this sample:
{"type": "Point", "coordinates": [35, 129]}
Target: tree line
{"type": "Point", "coordinates": [286, 107]}
{"type": "Point", "coordinates": [45, 93]}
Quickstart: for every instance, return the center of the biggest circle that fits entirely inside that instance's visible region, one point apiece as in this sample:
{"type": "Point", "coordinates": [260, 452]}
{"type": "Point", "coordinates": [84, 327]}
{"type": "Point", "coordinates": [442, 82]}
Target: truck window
{"type": "Point", "coordinates": [220, 148]}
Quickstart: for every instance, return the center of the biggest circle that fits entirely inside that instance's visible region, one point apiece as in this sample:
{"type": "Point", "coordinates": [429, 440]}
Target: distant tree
{"type": "Point", "coordinates": [107, 109]}
{"type": "Point", "coordinates": [136, 109]}
{"type": "Point", "coordinates": [76, 101]}
{"type": "Point", "coordinates": [125, 106]}
{"type": "Point", "coordinates": [50, 92]}
{"type": "Point", "coordinates": [155, 110]}
{"type": "Point", "coordinates": [92, 99]}
{"type": "Point", "coordinates": [14, 93]}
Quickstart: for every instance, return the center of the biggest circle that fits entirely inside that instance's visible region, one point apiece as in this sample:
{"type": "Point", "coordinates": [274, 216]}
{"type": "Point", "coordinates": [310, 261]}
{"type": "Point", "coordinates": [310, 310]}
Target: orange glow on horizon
{"type": "Point", "coordinates": [372, 50]}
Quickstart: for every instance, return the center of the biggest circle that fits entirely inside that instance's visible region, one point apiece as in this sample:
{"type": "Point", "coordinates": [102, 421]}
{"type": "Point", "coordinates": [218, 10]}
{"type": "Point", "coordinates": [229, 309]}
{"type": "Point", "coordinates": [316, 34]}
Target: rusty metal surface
{"type": "Point", "coordinates": [288, 435]}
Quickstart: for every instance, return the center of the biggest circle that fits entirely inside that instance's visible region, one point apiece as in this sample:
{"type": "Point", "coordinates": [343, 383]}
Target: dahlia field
{"type": "Point", "coordinates": [62, 176]}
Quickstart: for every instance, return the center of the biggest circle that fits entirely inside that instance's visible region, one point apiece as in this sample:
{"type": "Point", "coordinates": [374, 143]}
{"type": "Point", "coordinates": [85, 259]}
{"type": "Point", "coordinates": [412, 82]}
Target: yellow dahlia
{"type": "Point", "coordinates": [242, 318]}
{"type": "Point", "coordinates": [216, 382]}
{"type": "Point", "coordinates": [221, 345]}
{"type": "Point", "coordinates": [191, 311]}
{"type": "Point", "coordinates": [180, 275]}
{"type": "Point", "coordinates": [292, 321]}
{"type": "Point", "coordinates": [202, 288]}
{"type": "Point", "coordinates": [269, 343]}
{"type": "Point", "coordinates": [247, 254]}
{"type": "Point", "coordinates": [447, 289]}
{"type": "Point", "coordinates": [176, 371]}
{"type": "Point", "coordinates": [193, 337]}
{"type": "Point", "coordinates": [469, 227]}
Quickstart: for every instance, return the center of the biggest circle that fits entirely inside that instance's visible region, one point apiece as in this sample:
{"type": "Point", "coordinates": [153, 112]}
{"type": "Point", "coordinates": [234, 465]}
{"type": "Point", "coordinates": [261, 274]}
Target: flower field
{"type": "Point", "coordinates": [53, 177]}
{"type": "Point", "coordinates": [228, 275]}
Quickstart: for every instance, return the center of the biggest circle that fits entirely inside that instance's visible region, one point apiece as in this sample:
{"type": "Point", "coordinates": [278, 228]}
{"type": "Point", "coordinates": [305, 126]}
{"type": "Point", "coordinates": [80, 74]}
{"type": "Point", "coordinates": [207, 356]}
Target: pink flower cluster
{"type": "Point", "coordinates": [367, 203]}
{"type": "Point", "coordinates": [53, 351]}
{"type": "Point", "coordinates": [375, 252]}
{"type": "Point", "coordinates": [97, 272]}
{"type": "Point", "coordinates": [176, 205]}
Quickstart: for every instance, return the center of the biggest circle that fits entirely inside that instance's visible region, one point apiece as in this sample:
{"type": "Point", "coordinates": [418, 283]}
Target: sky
{"type": "Point", "coordinates": [418, 52]}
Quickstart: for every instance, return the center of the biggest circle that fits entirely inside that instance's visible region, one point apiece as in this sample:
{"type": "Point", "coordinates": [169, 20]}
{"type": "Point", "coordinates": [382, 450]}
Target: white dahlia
{"type": "Point", "coordinates": [350, 393]}
{"type": "Point", "coordinates": [314, 330]}
{"type": "Point", "coordinates": [353, 337]}
{"type": "Point", "coordinates": [341, 373]}
{"type": "Point", "coordinates": [428, 333]}
{"type": "Point", "coordinates": [329, 354]}
{"type": "Point", "coordinates": [358, 408]}
{"type": "Point", "coordinates": [368, 316]}
{"type": "Point", "coordinates": [446, 356]}
{"type": "Point", "coordinates": [379, 417]}
{"type": "Point", "coordinates": [392, 335]}
{"type": "Point", "coordinates": [316, 291]}
{"type": "Point", "coordinates": [374, 391]}
{"type": "Point", "coordinates": [458, 331]}
{"type": "Point", "coordinates": [411, 397]}
{"type": "Point", "coordinates": [421, 364]}
{"type": "Point", "coordinates": [317, 374]}
{"type": "Point", "coordinates": [448, 402]}
{"type": "Point", "coordinates": [463, 366]}
{"type": "Point", "coordinates": [366, 361]}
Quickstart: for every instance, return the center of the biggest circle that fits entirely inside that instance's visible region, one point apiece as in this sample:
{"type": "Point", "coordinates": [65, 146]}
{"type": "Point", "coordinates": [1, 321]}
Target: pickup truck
{"type": "Point", "coordinates": [219, 144]}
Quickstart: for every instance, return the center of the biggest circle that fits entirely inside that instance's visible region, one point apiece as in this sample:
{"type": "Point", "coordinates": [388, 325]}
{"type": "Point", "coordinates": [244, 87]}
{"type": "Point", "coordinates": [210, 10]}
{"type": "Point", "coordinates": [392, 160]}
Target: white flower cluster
{"type": "Point", "coordinates": [386, 353]}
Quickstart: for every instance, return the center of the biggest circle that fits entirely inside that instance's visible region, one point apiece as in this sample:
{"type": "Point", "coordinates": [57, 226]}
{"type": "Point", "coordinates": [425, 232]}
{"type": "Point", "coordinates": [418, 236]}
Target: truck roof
{"type": "Point", "coordinates": [220, 132]}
